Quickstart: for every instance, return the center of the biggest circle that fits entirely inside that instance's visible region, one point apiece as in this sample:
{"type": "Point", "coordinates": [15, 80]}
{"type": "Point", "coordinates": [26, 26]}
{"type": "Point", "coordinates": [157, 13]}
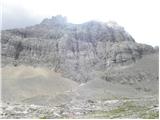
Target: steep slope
{"type": "Point", "coordinates": [71, 48]}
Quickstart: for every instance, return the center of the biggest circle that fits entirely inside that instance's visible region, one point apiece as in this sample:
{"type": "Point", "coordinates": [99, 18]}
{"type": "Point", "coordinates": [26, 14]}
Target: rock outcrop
{"type": "Point", "coordinates": [71, 48]}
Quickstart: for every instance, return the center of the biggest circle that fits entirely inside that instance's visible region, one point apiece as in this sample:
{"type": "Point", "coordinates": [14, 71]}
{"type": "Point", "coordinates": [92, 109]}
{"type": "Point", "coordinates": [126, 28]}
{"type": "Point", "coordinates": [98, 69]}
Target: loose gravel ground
{"type": "Point", "coordinates": [127, 108]}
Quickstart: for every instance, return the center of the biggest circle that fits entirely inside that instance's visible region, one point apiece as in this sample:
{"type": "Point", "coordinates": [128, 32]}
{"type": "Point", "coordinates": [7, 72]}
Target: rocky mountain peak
{"type": "Point", "coordinates": [55, 20]}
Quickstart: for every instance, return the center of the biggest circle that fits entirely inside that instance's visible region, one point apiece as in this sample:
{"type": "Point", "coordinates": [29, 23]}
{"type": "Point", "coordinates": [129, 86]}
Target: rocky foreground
{"type": "Point", "coordinates": [146, 108]}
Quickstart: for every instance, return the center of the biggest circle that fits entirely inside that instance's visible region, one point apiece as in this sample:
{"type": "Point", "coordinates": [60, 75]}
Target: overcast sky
{"type": "Point", "coordinates": [139, 17]}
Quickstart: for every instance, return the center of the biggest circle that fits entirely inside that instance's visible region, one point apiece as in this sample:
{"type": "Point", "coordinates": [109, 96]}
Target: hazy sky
{"type": "Point", "coordinates": [139, 17]}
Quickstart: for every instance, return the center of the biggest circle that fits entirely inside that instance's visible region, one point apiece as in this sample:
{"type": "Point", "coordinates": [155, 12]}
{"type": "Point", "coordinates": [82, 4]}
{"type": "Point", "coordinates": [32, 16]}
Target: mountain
{"type": "Point", "coordinates": [71, 48]}
{"type": "Point", "coordinates": [57, 69]}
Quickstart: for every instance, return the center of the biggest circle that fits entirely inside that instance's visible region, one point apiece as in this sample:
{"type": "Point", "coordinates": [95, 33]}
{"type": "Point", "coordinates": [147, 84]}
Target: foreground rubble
{"type": "Point", "coordinates": [126, 108]}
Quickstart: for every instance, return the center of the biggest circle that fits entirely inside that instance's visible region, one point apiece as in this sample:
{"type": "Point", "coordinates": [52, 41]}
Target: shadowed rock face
{"type": "Point", "coordinates": [71, 48]}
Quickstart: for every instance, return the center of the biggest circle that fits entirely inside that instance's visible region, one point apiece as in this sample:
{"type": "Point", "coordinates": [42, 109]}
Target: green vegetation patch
{"type": "Point", "coordinates": [126, 110]}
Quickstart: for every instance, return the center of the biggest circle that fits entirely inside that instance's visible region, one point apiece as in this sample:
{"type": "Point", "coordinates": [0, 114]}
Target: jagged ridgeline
{"type": "Point", "coordinates": [74, 49]}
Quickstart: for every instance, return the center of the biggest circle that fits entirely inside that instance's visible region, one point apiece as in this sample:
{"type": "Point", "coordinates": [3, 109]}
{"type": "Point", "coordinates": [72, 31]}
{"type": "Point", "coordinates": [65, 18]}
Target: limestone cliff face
{"type": "Point", "coordinates": [72, 48]}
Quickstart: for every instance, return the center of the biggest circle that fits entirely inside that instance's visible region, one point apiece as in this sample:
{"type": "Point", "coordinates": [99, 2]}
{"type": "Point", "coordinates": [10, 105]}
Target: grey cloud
{"type": "Point", "coordinates": [17, 17]}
